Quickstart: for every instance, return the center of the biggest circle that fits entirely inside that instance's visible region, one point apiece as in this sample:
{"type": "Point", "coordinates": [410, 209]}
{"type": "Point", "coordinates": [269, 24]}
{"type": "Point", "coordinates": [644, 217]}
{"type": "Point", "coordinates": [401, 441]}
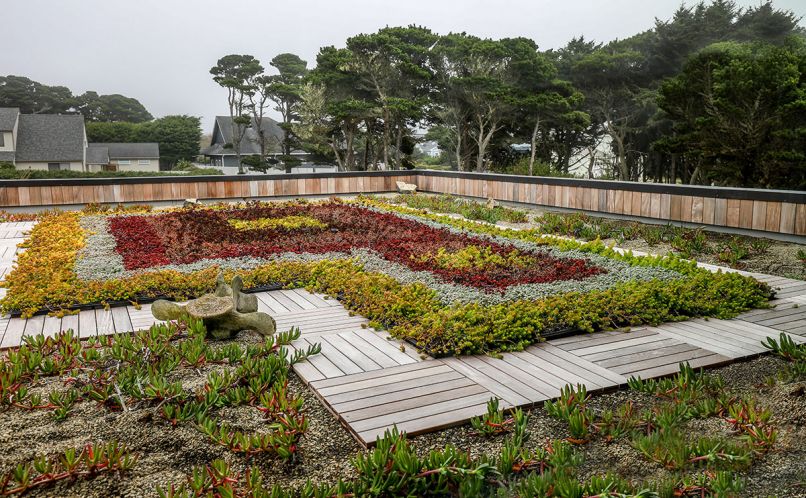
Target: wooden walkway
{"type": "Point", "coordinates": [372, 382]}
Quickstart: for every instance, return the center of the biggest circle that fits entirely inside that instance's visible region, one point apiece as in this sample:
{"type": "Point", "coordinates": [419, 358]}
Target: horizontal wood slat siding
{"type": "Point", "coordinates": [772, 211]}
{"type": "Point", "coordinates": [52, 195]}
{"type": "Point", "coordinates": [761, 215]}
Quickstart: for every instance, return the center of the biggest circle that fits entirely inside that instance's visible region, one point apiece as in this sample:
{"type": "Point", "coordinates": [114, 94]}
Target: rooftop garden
{"type": "Point", "coordinates": [165, 412]}
{"type": "Point", "coordinates": [448, 285]}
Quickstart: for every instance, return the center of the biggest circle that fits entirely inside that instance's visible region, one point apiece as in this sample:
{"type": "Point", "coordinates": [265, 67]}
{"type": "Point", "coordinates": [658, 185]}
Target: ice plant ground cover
{"type": "Point", "coordinates": [450, 286]}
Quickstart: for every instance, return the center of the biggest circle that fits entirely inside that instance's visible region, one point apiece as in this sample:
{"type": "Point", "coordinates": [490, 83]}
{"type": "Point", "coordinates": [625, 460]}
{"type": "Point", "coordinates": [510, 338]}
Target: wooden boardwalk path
{"type": "Point", "coordinates": [372, 382]}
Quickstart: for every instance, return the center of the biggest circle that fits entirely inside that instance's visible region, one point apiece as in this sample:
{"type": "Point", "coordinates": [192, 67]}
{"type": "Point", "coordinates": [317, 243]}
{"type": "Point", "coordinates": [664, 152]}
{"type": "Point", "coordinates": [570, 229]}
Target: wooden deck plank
{"type": "Point", "coordinates": [700, 341]}
{"type": "Point", "coordinates": [672, 359]}
{"type": "Point", "coordinates": [297, 299]}
{"type": "Point", "coordinates": [392, 396]}
{"type": "Point", "coordinates": [586, 369]}
{"type": "Point", "coordinates": [400, 384]}
{"type": "Point", "coordinates": [730, 331]}
{"type": "Point", "coordinates": [670, 369]}
{"type": "Point", "coordinates": [268, 300]}
{"type": "Point", "coordinates": [563, 370]}
{"type": "Point", "coordinates": [411, 367]}
{"type": "Point", "coordinates": [716, 337]}
{"type": "Point", "coordinates": [70, 322]}
{"type": "Point", "coordinates": [502, 376]}
{"type": "Point", "coordinates": [86, 324]}
{"type": "Point", "coordinates": [394, 408]}
{"type": "Point", "coordinates": [637, 349]}
{"type": "Point", "coordinates": [428, 423]}
{"type": "Point", "coordinates": [312, 298]}
{"type": "Point", "coordinates": [754, 332]}
{"type": "Point", "coordinates": [34, 325]}
{"type": "Point", "coordinates": [618, 345]}
{"type": "Point", "coordinates": [448, 406]}
{"type": "Point", "coordinates": [658, 355]}
{"type": "Point", "coordinates": [596, 339]}
{"type": "Point", "coordinates": [284, 300]}
{"type": "Point", "coordinates": [520, 370]}
{"type": "Point", "coordinates": [52, 326]}
{"type": "Point", "coordinates": [390, 347]}
{"type": "Point", "coordinates": [324, 364]}
{"type": "Point", "coordinates": [121, 320]}
{"type": "Point", "coordinates": [494, 386]}
{"type": "Point", "coordinates": [392, 376]}
{"type": "Point", "coordinates": [377, 355]}
{"type": "Point", "coordinates": [14, 332]}
{"type": "Point", "coordinates": [364, 362]}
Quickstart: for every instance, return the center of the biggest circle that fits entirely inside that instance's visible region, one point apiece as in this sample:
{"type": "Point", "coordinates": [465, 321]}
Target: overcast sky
{"type": "Point", "coordinates": [160, 51]}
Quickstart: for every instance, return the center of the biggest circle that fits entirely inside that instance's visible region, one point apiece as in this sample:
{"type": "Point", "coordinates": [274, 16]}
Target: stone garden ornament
{"type": "Point", "coordinates": [225, 312]}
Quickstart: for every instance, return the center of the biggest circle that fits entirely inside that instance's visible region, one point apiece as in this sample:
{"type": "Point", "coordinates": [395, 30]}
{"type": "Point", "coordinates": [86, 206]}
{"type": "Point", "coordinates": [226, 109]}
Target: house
{"type": "Point", "coordinates": [59, 142]}
{"type": "Point", "coordinates": [221, 153]}
{"type": "Point", "coordinates": [123, 157]}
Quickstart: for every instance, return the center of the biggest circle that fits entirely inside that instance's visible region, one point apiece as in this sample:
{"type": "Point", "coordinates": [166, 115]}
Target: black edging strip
{"type": "Point", "coordinates": [793, 196]}
{"type": "Point", "coordinates": [138, 300]}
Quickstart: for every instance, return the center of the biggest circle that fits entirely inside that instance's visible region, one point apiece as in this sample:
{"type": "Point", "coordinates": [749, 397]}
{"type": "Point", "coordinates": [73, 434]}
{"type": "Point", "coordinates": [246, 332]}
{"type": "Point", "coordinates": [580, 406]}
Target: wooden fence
{"type": "Point", "coordinates": [777, 211]}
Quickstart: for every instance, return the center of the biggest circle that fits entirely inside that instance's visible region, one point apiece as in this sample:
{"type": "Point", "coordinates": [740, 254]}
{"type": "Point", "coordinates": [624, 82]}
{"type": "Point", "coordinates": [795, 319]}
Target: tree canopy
{"type": "Point", "coordinates": [32, 97]}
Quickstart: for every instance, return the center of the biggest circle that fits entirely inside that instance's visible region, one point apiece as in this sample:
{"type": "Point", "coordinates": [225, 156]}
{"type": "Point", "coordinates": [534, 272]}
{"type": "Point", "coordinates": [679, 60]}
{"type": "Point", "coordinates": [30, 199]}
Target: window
{"type": "Point", "coordinates": [124, 162]}
{"type": "Point", "coordinates": [110, 167]}
{"type": "Point", "coordinates": [2, 139]}
{"type": "Point", "coordinates": [58, 166]}
{"type": "Point", "coordinates": [144, 162]}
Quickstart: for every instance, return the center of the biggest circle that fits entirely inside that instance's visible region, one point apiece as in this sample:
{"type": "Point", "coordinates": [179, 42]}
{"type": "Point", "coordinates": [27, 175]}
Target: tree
{"type": "Point", "coordinates": [285, 89]}
{"type": "Point", "coordinates": [739, 113]}
{"type": "Point", "coordinates": [33, 97]}
{"type": "Point", "coordinates": [115, 107]}
{"type": "Point", "coordinates": [235, 73]}
{"type": "Point", "coordinates": [177, 136]}
{"type": "Point", "coordinates": [391, 64]}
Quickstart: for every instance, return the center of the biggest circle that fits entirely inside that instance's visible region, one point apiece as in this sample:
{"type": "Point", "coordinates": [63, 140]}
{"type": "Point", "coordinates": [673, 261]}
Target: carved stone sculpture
{"type": "Point", "coordinates": [225, 312]}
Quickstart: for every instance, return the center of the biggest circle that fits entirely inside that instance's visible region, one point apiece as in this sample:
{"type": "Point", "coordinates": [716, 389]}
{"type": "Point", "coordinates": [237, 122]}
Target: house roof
{"type": "Point", "coordinates": [97, 154]}
{"type": "Point", "coordinates": [7, 156]}
{"type": "Point", "coordinates": [50, 137]}
{"type": "Point", "coordinates": [250, 143]}
{"type": "Point", "coordinates": [8, 116]}
{"type": "Point", "coordinates": [145, 150]}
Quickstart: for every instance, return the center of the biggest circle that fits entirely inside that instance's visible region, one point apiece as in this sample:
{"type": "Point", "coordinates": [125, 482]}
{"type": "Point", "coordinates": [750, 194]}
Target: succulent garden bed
{"type": "Point", "coordinates": [448, 285]}
{"type": "Point", "coordinates": [164, 413]}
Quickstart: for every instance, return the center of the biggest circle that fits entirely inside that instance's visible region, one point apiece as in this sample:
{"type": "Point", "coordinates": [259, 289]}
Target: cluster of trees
{"type": "Point", "coordinates": [713, 95]}
{"type": "Point", "coordinates": [109, 118]}
{"type": "Point", "coordinates": [33, 97]}
{"type": "Point", "coordinates": [178, 136]}
{"type": "Point", "coordinates": [250, 92]}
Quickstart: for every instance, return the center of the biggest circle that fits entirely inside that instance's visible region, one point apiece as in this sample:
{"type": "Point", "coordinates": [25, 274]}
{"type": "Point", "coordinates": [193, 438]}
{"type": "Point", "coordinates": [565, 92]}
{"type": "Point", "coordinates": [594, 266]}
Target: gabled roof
{"type": "Point", "coordinates": [250, 143]}
{"type": "Point", "coordinates": [50, 138]}
{"type": "Point", "coordinates": [97, 154]}
{"type": "Point", "coordinates": [144, 150]}
{"type": "Point", "coordinates": [8, 117]}
{"type": "Point", "coordinates": [7, 156]}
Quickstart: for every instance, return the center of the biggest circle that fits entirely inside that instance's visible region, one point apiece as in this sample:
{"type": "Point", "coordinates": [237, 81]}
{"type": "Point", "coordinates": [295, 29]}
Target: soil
{"type": "Point", "coordinates": [167, 455]}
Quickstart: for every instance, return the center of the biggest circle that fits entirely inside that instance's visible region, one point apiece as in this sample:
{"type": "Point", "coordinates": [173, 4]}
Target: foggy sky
{"type": "Point", "coordinates": [160, 51]}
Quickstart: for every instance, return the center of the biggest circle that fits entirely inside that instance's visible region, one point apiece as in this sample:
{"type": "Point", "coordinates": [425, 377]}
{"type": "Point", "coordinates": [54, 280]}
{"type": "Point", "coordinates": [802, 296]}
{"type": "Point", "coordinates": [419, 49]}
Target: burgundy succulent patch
{"type": "Point", "coordinates": [188, 236]}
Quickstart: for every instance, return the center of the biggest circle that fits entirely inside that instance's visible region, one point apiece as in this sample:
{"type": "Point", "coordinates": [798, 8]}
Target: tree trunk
{"type": "Point", "coordinates": [336, 152]}
{"type": "Point", "coordinates": [459, 133]}
{"type": "Point", "coordinates": [398, 144]}
{"type": "Point", "coordinates": [386, 138]}
{"type": "Point", "coordinates": [349, 134]}
{"type": "Point", "coordinates": [591, 160]}
{"type": "Point", "coordinates": [534, 147]}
